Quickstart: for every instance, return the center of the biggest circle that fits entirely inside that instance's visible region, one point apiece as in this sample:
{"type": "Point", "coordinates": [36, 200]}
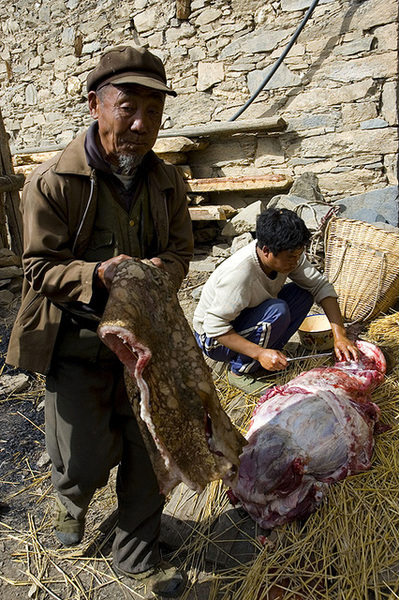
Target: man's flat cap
{"type": "Point", "coordinates": [129, 64]}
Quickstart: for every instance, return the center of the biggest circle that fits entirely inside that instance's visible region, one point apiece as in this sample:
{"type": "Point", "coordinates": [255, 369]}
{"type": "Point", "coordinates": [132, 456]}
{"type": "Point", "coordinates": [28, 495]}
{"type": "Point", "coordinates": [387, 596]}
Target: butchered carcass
{"type": "Point", "coordinates": [307, 434]}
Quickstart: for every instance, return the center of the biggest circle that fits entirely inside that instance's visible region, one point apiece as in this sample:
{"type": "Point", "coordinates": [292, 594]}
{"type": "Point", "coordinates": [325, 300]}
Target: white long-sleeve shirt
{"type": "Point", "coordinates": [239, 283]}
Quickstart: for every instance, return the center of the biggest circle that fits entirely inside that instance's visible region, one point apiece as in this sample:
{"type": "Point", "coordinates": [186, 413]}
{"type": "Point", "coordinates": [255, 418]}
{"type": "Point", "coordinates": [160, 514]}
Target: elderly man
{"type": "Point", "coordinates": [105, 198]}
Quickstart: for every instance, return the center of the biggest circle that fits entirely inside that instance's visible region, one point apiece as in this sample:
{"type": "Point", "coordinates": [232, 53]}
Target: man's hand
{"type": "Point", "coordinates": [272, 360]}
{"type": "Point", "coordinates": [158, 262]}
{"type": "Point", "coordinates": [345, 350]}
{"type": "Point", "coordinates": [106, 269]}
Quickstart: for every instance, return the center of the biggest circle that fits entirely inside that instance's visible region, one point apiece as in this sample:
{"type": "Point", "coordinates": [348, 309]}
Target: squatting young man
{"type": "Point", "coordinates": [247, 312]}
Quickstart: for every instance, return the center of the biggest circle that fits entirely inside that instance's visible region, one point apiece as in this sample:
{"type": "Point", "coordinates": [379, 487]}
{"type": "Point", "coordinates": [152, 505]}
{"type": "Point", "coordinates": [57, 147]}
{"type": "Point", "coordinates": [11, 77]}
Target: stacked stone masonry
{"type": "Point", "coordinates": [337, 88]}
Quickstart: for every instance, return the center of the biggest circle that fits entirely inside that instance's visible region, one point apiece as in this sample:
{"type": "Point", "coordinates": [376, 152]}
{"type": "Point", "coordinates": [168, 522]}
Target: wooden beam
{"type": "Point", "coordinates": [264, 183]}
{"type": "Point", "coordinates": [211, 213]}
{"type": "Point", "coordinates": [271, 124]}
{"type": "Point", "coordinates": [11, 183]}
{"type": "Point", "coordinates": [183, 9]}
{"type": "Point", "coordinates": [11, 205]}
{"type": "Point", "coordinates": [228, 128]}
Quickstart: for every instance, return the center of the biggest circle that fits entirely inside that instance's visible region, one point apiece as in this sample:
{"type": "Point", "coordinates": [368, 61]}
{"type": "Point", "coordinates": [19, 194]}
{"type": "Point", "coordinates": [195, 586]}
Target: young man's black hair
{"type": "Point", "coordinates": [281, 229]}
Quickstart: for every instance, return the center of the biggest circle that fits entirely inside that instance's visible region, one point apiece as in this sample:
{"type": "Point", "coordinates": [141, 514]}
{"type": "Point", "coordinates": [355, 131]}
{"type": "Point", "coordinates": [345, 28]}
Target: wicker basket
{"type": "Point", "coordinates": [362, 262]}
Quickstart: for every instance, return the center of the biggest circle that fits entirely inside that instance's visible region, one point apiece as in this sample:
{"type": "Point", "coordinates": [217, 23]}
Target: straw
{"type": "Point", "coordinates": [346, 550]}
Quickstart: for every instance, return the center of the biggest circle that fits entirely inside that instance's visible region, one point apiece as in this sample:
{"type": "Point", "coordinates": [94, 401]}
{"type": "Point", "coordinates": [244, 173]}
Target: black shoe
{"type": "Point", "coordinates": [163, 580]}
{"type": "Point", "coordinates": [69, 531]}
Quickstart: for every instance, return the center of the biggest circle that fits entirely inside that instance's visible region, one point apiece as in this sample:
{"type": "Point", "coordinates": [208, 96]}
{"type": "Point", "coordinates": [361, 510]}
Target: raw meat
{"type": "Point", "coordinates": [188, 435]}
{"type": "Point", "coordinates": [307, 434]}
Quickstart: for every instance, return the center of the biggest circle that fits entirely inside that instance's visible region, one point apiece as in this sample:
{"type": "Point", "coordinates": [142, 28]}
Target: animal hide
{"type": "Point", "coordinates": [307, 434]}
{"type": "Point", "coordinates": [188, 435]}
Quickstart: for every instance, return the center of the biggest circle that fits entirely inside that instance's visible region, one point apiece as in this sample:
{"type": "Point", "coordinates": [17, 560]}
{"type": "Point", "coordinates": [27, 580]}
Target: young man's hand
{"type": "Point", "coordinates": [272, 360]}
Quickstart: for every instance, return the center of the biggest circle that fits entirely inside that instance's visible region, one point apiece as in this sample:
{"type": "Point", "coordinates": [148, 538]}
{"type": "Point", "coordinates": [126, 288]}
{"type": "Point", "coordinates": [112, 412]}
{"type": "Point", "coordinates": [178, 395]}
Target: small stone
{"type": "Point", "coordinates": [209, 74]}
{"type": "Point", "coordinates": [241, 241]}
{"type": "Point", "coordinates": [6, 297]}
{"type": "Point", "coordinates": [13, 384]}
{"type": "Point", "coordinates": [208, 264]}
{"type": "Point", "coordinates": [9, 260]}
{"type": "Point", "coordinates": [221, 250]}
{"type": "Point", "coordinates": [373, 124]}
{"type": "Point", "coordinates": [43, 460]}
{"type": "Point", "coordinates": [31, 95]}
{"type": "Point", "coordinates": [196, 294]}
{"type": "Point", "coordinates": [10, 272]}
{"type": "Point", "coordinates": [208, 16]}
{"type": "Point", "coordinates": [91, 48]}
{"type": "Point", "coordinates": [281, 79]}
{"type": "Point", "coordinates": [245, 220]}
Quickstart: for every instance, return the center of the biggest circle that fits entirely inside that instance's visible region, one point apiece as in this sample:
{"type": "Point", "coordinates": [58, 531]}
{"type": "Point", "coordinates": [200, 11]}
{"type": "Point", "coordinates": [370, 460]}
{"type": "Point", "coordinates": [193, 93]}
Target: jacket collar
{"type": "Point", "coordinates": [72, 161]}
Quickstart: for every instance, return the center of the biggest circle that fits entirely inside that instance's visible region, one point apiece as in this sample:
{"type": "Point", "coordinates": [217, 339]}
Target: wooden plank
{"type": "Point", "coordinates": [228, 128]}
{"type": "Point", "coordinates": [183, 9]}
{"type": "Point", "coordinates": [10, 183]}
{"type": "Point", "coordinates": [240, 184]}
{"type": "Point", "coordinates": [14, 217]}
{"type": "Point", "coordinates": [211, 213]}
{"type": "Point", "coordinates": [215, 129]}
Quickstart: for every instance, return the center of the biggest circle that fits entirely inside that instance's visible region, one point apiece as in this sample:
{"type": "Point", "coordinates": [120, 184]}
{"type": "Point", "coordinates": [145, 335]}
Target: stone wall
{"type": "Point", "coordinates": [337, 89]}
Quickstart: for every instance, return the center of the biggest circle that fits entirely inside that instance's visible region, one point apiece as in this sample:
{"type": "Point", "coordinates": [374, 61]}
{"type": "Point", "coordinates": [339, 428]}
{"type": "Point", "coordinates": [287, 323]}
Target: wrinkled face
{"type": "Point", "coordinates": [284, 262]}
{"type": "Point", "coordinates": [129, 118]}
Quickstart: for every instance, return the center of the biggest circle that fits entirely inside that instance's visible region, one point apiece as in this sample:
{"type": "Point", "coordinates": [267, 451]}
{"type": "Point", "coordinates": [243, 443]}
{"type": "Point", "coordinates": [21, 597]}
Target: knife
{"type": "Point", "coordinates": [310, 356]}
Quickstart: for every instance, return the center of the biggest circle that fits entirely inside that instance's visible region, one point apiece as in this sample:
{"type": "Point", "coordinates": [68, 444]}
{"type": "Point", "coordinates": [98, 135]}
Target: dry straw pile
{"type": "Point", "coordinates": [346, 550]}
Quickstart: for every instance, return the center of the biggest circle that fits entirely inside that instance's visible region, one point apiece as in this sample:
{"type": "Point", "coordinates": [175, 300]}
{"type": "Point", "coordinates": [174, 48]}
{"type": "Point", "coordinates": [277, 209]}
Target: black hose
{"type": "Point", "coordinates": [279, 61]}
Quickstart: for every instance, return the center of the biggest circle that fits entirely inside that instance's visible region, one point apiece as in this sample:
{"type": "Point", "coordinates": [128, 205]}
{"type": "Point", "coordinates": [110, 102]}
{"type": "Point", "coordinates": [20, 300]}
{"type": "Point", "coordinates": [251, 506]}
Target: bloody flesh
{"type": "Point", "coordinates": [307, 434]}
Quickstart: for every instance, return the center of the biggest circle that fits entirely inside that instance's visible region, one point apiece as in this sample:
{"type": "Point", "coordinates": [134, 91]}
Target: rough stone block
{"type": "Point", "coordinates": [389, 108]}
{"type": "Point", "coordinates": [269, 152]}
{"type": "Point", "coordinates": [209, 74]}
{"type": "Point", "coordinates": [373, 124]}
{"type": "Point", "coordinates": [307, 187]}
{"type": "Point", "coordinates": [281, 79]}
{"type": "Point", "coordinates": [377, 205]}
{"type": "Point", "coordinates": [359, 111]}
{"type": "Point", "coordinates": [350, 143]}
{"type": "Point", "coordinates": [146, 20]}
{"type": "Point", "coordinates": [221, 250]}
{"type": "Point", "coordinates": [10, 272]}
{"type": "Point", "coordinates": [362, 44]}
{"type": "Point", "coordinates": [241, 241]}
{"type": "Point", "coordinates": [319, 96]}
{"type": "Point", "coordinates": [245, 221]}
{"type": "Point", "coordinates": [263, 41]}
{"type": "Point", "coordinates": [13, 384]}
{"type": "Point", "coordinates": [370, 14]}
{"type": "Point", "coordinates": [376, 66]}
{"type": "Point", "coordinates": [208, 16]}
{"type": "Point", "coordinates": [294, 5]}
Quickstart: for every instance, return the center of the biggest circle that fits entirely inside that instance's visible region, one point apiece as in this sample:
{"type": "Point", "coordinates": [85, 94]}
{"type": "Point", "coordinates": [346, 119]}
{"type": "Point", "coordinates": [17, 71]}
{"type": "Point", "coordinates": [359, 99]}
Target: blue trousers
{"type": "Point", "coordinates": [270, 325]}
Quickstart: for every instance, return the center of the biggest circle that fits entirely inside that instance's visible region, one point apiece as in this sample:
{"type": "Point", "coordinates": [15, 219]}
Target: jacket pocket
{"type": "Point", "coordinates": [101, 246]}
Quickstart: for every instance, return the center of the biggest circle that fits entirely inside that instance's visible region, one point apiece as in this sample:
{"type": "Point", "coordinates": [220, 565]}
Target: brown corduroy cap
{"type": "Point", "coordinates": [129, 64]}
